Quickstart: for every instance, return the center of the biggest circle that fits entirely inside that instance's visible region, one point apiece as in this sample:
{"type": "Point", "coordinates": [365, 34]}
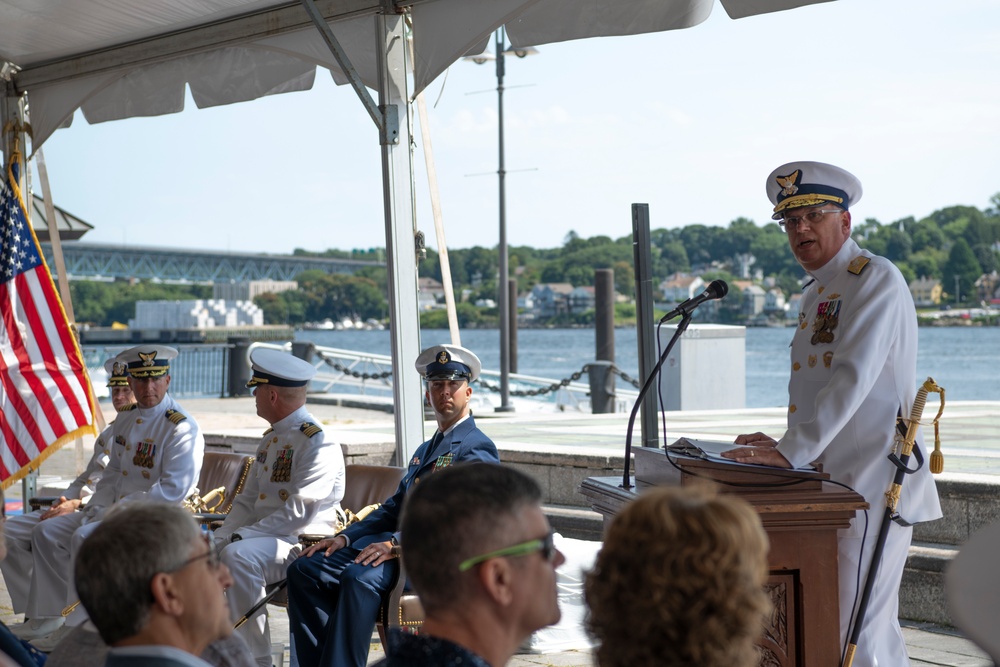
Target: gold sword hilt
{"type": "Point", "coordinates": [909, 440]}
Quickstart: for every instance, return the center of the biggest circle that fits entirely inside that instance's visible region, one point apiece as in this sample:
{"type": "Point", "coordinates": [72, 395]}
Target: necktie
{"type": "Point", "coordinates": [435, 441]}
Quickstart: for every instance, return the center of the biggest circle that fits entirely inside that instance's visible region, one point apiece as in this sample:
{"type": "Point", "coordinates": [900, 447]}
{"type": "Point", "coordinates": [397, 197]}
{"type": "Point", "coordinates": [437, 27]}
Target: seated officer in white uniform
{"type": "Point", "coordinates": [18, 564]}
{"type": "Point", "coordinates": [295, 486]}
{"type": "Point", "coordinates": [156, 455]}
{"type": "Point", "coordinates": [853, 371]}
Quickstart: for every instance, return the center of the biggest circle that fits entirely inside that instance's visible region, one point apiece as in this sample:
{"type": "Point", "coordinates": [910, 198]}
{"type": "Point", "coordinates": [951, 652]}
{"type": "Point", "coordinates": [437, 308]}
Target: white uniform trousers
{"type": "Point", "coordinates": [54, 543]}
{"type": "Point", "coordinates": [254, 563]}
{"type": "Point", "coordinates": [18, 564]}
{"type": "Point", "coordinates": [881, 640]}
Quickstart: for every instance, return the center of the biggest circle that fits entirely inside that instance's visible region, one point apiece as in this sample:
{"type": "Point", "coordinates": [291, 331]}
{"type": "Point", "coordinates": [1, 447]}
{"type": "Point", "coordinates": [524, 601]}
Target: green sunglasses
{"type": "Point", "coordinates": [546, 545]}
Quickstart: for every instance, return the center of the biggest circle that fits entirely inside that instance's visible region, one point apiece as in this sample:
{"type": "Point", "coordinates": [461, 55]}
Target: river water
{"type": "Point", "coordinates": [963, 360]}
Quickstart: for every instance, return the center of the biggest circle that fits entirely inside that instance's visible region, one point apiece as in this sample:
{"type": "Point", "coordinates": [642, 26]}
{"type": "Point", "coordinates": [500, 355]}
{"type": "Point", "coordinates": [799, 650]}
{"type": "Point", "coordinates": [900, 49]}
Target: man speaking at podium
{"type": "Point", "coordinates": [854, 359]}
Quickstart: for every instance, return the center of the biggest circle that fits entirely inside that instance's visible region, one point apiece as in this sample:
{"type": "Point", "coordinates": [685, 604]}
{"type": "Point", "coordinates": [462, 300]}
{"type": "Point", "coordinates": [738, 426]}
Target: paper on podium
{"type": "Point", "coordinates": [710, 450]}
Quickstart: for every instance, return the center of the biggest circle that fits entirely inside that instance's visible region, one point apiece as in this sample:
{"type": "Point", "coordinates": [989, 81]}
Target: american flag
{"type": "Point", "coordinates": [45, 394]}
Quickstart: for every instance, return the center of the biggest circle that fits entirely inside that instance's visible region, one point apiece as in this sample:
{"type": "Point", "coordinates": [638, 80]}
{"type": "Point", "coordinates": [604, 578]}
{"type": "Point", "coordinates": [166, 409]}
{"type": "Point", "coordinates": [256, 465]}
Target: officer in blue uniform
{"type": "Point", "coordinates": [335, 588]}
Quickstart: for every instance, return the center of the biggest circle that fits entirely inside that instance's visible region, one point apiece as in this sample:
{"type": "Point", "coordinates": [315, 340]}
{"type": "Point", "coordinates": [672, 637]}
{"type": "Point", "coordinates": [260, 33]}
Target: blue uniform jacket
{"type": "Point", "coordinates": [465, 443]}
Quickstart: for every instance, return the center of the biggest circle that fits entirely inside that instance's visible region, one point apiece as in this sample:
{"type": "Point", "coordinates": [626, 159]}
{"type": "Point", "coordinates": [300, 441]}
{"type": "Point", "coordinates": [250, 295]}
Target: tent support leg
{"type": "Point", "coordinates": [400, 234]}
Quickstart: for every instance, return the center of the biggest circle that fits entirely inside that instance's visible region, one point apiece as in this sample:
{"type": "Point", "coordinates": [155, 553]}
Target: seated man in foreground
{"type": "Point", "coordinates": [479, 552]}
{"type": "Point", "coordinates": [161, 599]}
{"type": "Point", "coordinates": [335, 587]}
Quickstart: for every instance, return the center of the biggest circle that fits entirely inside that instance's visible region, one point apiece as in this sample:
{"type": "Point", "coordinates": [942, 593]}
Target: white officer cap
{"type": "Point", "coordinates": [448, 362]}
{"type": "Point", "coordinates": [148, 361]}
{"type": "Point", "coordinates": [798, 184]}
{"type": "Point", "coordinates": [117, 372]}
{"type": "Point", "coordinates": [279, 369]}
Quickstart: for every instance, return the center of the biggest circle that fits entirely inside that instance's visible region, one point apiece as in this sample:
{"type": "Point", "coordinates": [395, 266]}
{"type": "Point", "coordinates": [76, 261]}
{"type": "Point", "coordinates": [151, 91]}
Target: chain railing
{"type": "Point", "coordinates": [202, 370]}
{"type": "Point", "coordinates": [557, 385]}
{"type": "Point", "coordinates": [354, 372]}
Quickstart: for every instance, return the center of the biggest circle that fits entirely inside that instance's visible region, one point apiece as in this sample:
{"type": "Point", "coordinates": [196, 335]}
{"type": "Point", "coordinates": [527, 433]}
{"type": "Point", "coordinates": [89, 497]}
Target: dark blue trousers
{"type": "Point", "coordinates": [333, 604]}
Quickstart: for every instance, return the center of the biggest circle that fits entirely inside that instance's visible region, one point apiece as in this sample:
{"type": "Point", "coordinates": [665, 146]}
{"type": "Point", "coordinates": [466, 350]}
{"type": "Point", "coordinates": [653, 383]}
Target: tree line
{"type": "Point", "coordinates": [954, 245]}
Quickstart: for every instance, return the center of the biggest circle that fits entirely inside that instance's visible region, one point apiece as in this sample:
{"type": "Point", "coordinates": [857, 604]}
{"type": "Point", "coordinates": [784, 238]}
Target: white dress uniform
{"type": "Point", "coordinates": [17, 565]}
{"type": "Point", "coordinates": [156, 455]}
{"type": "Point", "coordinates": [295, 486]}
{"type": "Point", "coordinates": [853, 370]}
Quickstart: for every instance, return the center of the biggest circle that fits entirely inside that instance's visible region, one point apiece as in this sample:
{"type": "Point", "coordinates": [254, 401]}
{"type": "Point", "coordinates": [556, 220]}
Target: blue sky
{"type": "Point", "coordinates": [901, 92]}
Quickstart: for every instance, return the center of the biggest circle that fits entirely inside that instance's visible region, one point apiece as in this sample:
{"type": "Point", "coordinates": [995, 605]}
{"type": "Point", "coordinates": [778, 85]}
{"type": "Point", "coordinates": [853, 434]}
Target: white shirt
{"type": "Point", "coordinates": [295, 485]}
{"type": "Point", "coordinates": [853, 359]}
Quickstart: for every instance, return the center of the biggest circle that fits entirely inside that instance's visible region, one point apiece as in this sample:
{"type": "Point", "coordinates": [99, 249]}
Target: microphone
{"type": "Point", "coordinates": [715, 290]}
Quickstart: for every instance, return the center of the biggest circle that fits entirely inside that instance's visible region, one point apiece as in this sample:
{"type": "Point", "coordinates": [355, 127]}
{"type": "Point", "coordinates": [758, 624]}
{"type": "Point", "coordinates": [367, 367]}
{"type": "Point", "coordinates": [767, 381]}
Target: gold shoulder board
{"type": "Point", "coordinates": [130, 406]}
{"type": "Point", "coordinates": [176, 417]}
{"type": "Point", "coordinates": [310, 429]}
{"type": "Point", "coordinates": [268, 431]}
{"type": "Point", "coordinates": [858, 264]}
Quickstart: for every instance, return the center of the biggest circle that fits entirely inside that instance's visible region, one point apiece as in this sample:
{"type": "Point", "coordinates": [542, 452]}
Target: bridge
{"type": "Point", "coordinates": [97, 261]}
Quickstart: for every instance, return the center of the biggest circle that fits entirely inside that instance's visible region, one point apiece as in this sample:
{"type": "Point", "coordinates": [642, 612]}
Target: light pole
{"type": "Point", "coordinates": [503, 300]}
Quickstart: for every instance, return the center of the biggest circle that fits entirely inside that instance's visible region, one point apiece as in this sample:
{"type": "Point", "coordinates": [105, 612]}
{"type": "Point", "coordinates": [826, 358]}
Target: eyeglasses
{"type": "Point", "coordinates": [545, 545]}
{"type": "Point", "coordinates": [214, 560]}
{"type": "Point", "coordinates": [812, 217]}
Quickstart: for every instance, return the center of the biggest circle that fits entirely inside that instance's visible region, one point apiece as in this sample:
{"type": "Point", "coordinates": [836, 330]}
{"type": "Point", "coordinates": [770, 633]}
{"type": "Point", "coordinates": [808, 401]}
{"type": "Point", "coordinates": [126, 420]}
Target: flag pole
{"type": "Point", "coordinates": [54, 237]}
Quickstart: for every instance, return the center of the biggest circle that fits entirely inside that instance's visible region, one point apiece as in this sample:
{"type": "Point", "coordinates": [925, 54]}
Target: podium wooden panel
{"type": "Point", "coordinates": [801, 516]}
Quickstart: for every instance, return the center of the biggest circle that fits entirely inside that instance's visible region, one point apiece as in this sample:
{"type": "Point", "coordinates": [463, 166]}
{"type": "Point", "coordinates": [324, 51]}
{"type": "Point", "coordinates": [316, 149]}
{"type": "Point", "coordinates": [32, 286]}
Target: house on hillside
{"type": "Point", "coordinates": [926, 292]}
{"type": "Point", "coordinates": [988, 288]}
{"type": "Point", "coordinates": [774, 301]}
{"type": "Point", "coordinates": [680, 287]}
{"type": "Point", "coordinates": [754, 298]}
{"type": "Point", "coordinates": [551, 299]}
{"type": "Point", "coordinates": [430, 293]}
{"type": "Point", "coordinates": [581, 299]}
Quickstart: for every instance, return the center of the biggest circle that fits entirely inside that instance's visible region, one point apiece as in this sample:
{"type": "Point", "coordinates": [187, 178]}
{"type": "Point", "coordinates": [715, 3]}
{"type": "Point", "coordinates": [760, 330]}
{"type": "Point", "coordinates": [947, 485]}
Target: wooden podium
{"type": "Point", "coordinates": [801, 516]}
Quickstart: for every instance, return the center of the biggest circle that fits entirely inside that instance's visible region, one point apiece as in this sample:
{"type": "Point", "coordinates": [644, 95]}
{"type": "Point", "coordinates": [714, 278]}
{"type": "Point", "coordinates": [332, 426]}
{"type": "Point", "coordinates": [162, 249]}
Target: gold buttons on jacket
{"type": "Point", "coordinates": [796, 366]}
{"type": "Point", "coordinates": [263, 496]}
{"type": "Point", "coordinates": [792, 408]}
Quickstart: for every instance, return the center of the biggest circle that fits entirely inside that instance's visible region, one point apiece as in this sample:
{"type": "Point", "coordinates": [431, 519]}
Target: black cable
{"type": "Point", "coordinates": [659, 386]}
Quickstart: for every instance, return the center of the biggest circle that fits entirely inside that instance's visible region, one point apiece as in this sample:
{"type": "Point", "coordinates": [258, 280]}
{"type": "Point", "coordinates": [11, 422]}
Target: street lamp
{"type": "Point", "coordinates": [503, 302]}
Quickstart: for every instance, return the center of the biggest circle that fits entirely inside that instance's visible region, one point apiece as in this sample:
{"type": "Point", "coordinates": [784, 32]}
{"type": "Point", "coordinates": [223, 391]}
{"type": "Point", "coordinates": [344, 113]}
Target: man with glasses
{"type": "Point", "coordinates": [335, 587]}
{"type": "Point", "coordinates": [853, 359]}
{"type": "Point", "coordinates": [479, 552]}
{"type": "Point", "coordinates": [160, 598]}
{"type": "Point", "coordinates": [156, 454]}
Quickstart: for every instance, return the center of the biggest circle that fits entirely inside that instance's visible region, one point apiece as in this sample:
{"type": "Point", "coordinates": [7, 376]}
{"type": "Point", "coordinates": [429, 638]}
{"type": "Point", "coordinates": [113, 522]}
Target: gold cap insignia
{"type": "Point", "coordinates": [148, 358]}
{"type": "Point", "coordinates": [443, 357]}
{"type": "Point", "coordinates": [787, 183]}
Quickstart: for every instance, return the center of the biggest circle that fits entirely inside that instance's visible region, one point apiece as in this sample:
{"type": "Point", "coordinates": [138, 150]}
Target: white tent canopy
{"type": "Point", "coordinates": [118, 59]}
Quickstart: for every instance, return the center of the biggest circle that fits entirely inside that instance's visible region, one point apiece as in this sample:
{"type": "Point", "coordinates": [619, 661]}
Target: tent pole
{"type": "Point", "coordinates": [400, 230]}
{"type": "Point", "coordinates": [432, 184]}
{"type": "Point", "coordinates": [53, 226]}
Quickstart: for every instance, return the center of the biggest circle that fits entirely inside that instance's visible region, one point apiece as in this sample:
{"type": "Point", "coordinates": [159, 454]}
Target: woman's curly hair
{"type": "Point", "coordinates": [680, 581]}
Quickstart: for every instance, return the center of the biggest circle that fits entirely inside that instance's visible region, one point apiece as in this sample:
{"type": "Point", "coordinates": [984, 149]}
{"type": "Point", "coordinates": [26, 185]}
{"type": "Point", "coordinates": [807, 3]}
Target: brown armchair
{"type": "Point", "coordinates": [220, 470]}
